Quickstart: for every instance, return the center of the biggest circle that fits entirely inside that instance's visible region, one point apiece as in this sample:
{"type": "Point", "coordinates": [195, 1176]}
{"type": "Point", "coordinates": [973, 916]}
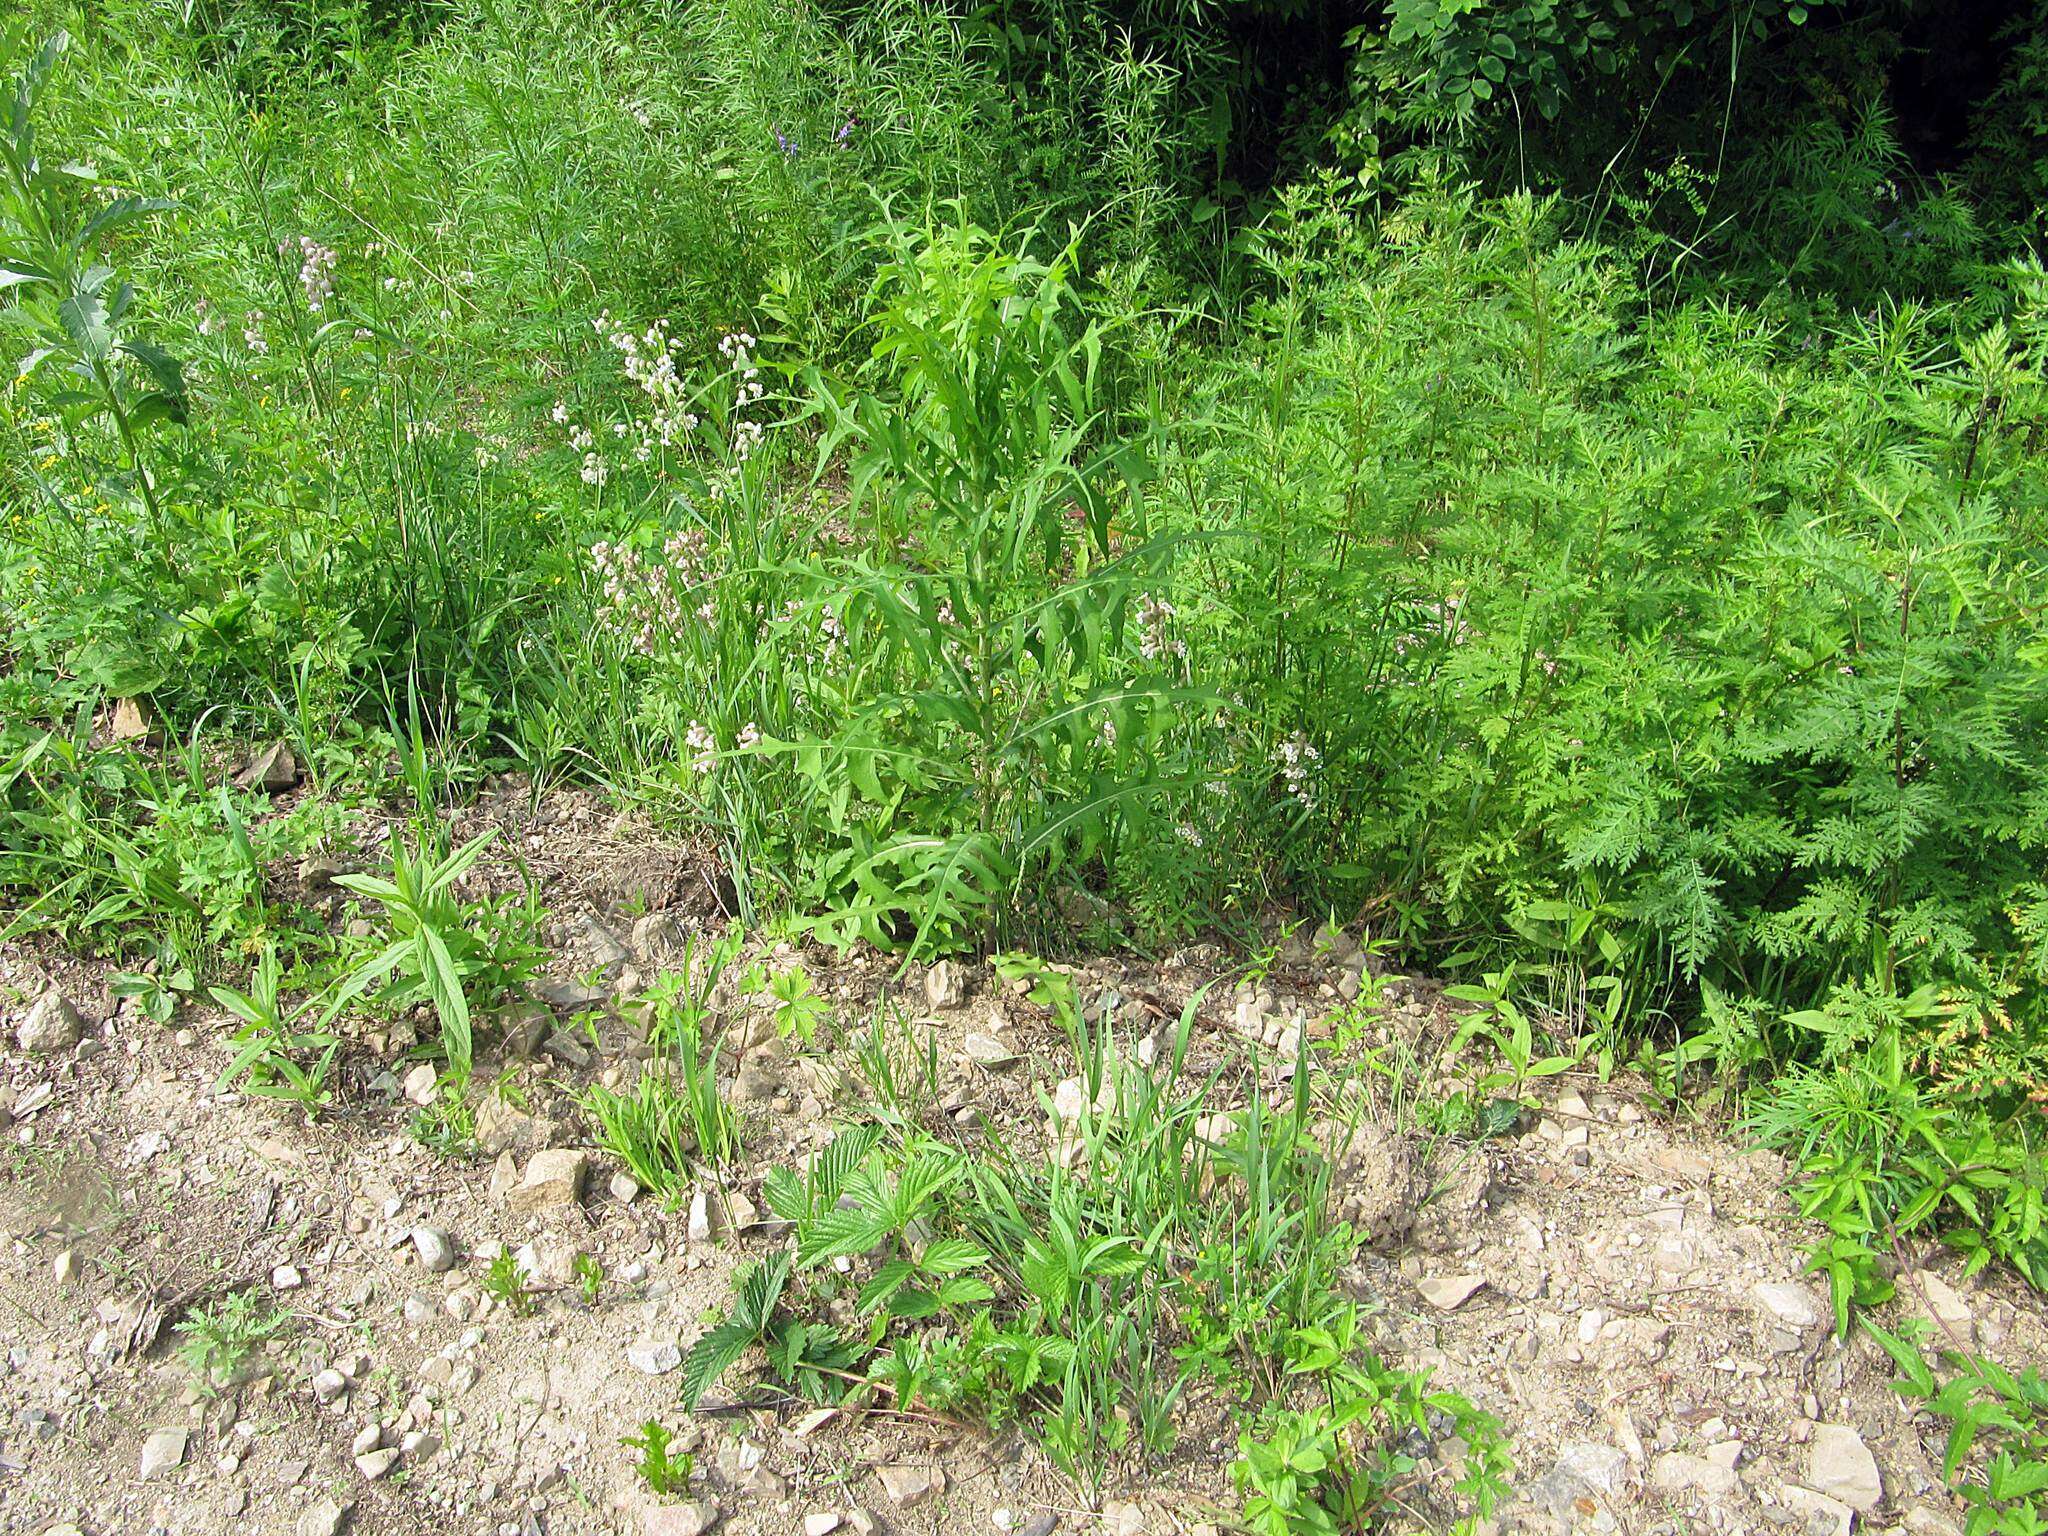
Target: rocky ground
{"type": "Point", "coordinates": [1620, 1285]}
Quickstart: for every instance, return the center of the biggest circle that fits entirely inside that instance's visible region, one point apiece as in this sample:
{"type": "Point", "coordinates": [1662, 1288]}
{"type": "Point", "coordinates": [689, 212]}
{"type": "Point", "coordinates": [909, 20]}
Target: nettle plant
{"type": "Point", "coordinates": [1004, 690]}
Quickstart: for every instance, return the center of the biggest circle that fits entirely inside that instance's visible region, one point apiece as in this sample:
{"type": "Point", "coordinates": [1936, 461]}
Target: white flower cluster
{"type": "Point", "coordinates": [252, 333]}
{"type": "Point", "coordinates": [703, 747]}
{"type": "Point", "coordinates": [688, 552]}
{"type": "Point", "coordinates": [831, 632]}
{"type": "Point", "coordinates": [643, 603]}
{"type": "Point", "coordinates": [737, 348]}
{"type": "Point", "coordinates": [1155, 632]}
{"type": "Point", "coordinates": [206, 317]}
{"type": "Point", "coordinates": [649, 360]}
{"type": "Point", "coordinates": [1297, 758]}
{"type": "Point", "coordinates": [316, 269]}
{"type": "Point", "coordinates": [638, 606]}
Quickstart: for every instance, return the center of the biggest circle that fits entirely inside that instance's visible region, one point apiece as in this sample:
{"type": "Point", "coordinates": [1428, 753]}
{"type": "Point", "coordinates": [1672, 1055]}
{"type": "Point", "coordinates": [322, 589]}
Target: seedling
{"type": "Point", "coordinates": [666, 1473]}
{"type": "Point", "coordinates": [505, 1283]}
{"type": "Point", "coordinates": [157, 996]}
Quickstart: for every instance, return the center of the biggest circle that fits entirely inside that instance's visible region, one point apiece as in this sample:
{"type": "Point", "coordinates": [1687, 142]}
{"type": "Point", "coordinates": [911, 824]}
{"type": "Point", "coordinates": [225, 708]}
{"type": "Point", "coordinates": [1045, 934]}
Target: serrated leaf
{"type": "Point", "coordinates": [711, 1357]}
{"type": "Point", "coordinates": [835, 1234]}
{"type": "Point", "coordinates": [951, 1255]}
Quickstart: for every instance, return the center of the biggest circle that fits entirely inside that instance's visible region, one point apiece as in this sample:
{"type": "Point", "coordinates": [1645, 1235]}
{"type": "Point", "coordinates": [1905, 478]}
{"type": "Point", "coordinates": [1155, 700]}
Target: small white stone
{"type": "Point", "coordinates": [654, 1357]}
{"type": "Point", "coordinates": [435, 1249]}
{"type": "Point", "coordinates": [163, 1451]}
{"type": "Point", "coordinates": [699, 1230]}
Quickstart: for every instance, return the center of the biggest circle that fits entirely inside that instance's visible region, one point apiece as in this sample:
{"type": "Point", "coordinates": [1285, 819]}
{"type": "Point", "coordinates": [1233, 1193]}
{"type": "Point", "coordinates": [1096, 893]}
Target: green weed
{"type": "Point", "coordinates": [665, 1474]}
{"type": "Point", "coordinates": [275, 1057]}
{"type": "Point", "coordinates": [219, 1339]}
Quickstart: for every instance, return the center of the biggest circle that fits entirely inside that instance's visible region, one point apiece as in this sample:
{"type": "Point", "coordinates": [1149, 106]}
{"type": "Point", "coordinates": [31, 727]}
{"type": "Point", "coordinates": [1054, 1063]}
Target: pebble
{"type": "Point", "coordinates": [1840, 1465]}
{"type": "Point", "coordinates": [1602, 1468]}
{"type": "Point", "coordinates": [377, 1463]}
{"type": "Point", "coordinates": [1676, 1472]}
{"type": "Point", "coordinates": [1447, 1293]}
{"type": "Point", "coordinates": [822, 1522]}
{"type": "Point", "coordinates": [624, 1188]}
{"type": "Point", "coordinates": [908, 1485]}
{"type": "Point", "coordinates": [52, 1024]}
{"type": "Point", "coordinates": [323, 1519]}
{"type": "Point", "coordinates": [986, 1050]}
{"type": "Point", "coordinates": [699, 1229]}
{"type": "Point", "coordinates": [435, 1249]}
{"type": "Point", "coordinates": [692, 1519]}
{"type": "Point", "coordinates": [1930, 1296]}
{"type": "Point", "coordinates": [1816, 1512]}
{"type": "Point", "coordinates": [945, 987]}
{"type": "Point", "coordinates": [163, 1451]}
{"type": "Point", "coordinates": [654, 1357]}
{"type": "Point", "coordinates": [553, 1180]}
{"type": "Point", "coordinates": [286, 1278]}
{"type": "Point", "coordinates": [328, 1385]}
{"type": "Point", "coordinates": [1790, 1303]}
{"type": "Point", "coordinates": [421, 1083]}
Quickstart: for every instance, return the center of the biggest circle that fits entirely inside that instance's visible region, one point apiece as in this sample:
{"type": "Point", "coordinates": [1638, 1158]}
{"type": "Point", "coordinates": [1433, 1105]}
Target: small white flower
{"type": "Point", "coordinates": [316, 270]}
{"type": "Point", "coordinates": [703, 747]}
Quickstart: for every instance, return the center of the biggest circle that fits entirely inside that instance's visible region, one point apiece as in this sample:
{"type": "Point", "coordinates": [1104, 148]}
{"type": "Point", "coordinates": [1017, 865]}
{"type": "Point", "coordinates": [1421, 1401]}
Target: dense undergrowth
{"type": "Point", "coordinates": [967, 490]}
